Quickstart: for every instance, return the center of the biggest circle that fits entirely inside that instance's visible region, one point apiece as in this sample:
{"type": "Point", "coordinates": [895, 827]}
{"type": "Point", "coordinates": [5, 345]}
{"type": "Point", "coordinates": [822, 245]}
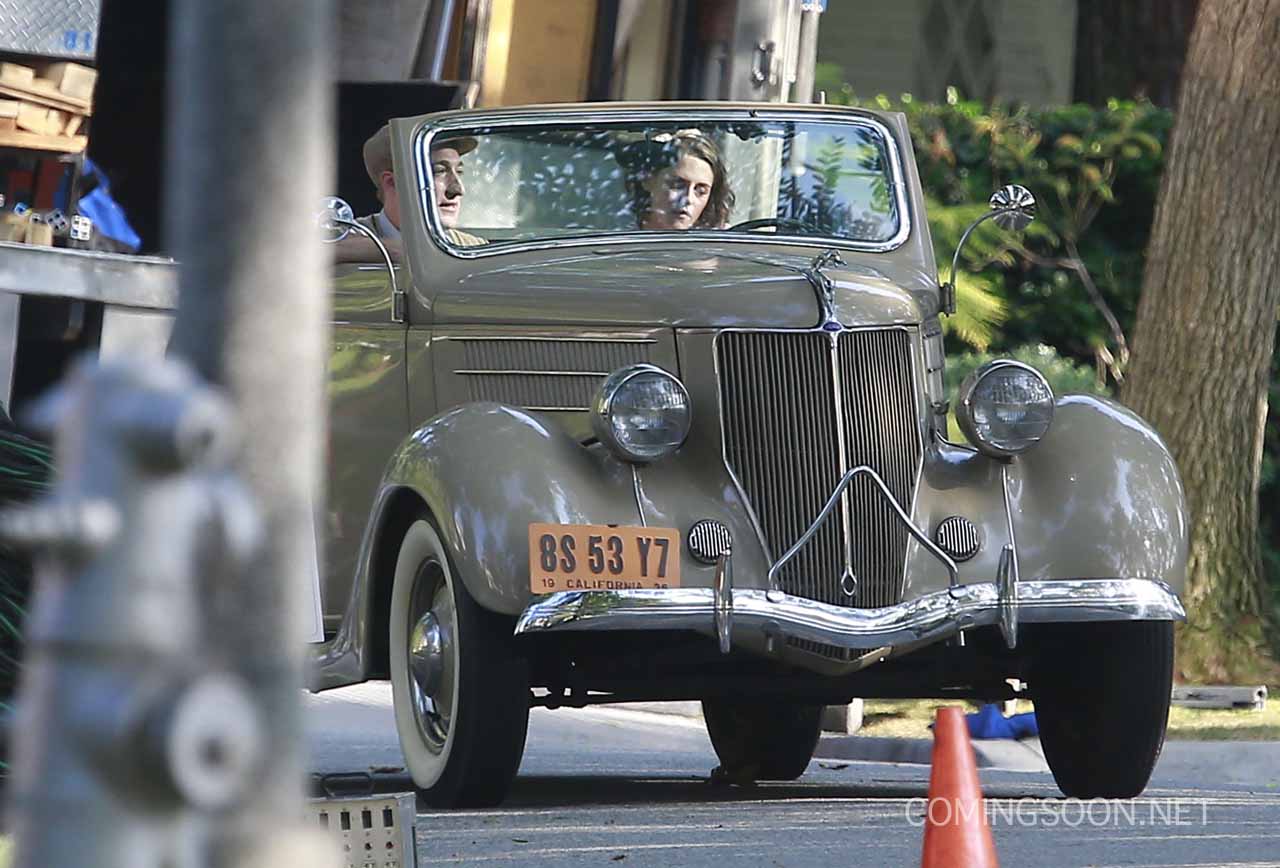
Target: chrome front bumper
{"type": "Point", "coordinates": [823, 636]}
{"type": "Point", "coordinates": [762, 619]}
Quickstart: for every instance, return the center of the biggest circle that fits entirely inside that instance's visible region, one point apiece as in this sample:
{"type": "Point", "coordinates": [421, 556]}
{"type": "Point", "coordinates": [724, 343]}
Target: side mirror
{"type": "Point", "coordinates": [335, 219]}
{"type": "Point", "coordinates": [1012, 207]}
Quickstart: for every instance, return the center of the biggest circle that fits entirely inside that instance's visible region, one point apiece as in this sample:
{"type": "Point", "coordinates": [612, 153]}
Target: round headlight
{"type": "Point", "coordinates": [1005, 408]}
{"type": "Point", "coordinates": [642, 413]}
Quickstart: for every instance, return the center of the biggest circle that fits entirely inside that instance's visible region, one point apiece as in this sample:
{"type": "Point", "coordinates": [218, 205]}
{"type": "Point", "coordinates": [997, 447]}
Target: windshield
{"type": "Point", "coordinates": [511, 184]}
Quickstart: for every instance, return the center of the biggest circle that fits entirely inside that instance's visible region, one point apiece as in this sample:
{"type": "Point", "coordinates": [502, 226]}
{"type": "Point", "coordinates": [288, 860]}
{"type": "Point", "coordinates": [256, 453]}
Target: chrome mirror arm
{"type": "Point", "coordinates": [1012, 207]}
{"type": "Point", "coordinates": [397, 295]}
{"type": "Point", "coordinates": [949, 288]}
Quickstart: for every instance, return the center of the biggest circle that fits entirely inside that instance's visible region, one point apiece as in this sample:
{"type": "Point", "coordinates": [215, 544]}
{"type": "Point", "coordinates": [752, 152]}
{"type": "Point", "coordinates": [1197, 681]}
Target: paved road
{"type": "Point", "coordinates": [611, 787]}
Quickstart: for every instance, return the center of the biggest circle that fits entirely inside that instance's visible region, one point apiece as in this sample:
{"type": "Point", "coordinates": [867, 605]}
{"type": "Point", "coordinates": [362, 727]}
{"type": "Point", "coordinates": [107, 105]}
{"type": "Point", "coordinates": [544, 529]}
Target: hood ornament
{"type": "Point", "coordinates": [825, 288]}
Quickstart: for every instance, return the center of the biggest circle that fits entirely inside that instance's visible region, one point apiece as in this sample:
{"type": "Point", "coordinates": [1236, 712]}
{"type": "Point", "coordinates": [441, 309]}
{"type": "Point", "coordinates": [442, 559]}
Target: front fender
{"type": "Point", "coordinates": [486, 471]}
{"type": "Point", "coordinates": [1099, 497]}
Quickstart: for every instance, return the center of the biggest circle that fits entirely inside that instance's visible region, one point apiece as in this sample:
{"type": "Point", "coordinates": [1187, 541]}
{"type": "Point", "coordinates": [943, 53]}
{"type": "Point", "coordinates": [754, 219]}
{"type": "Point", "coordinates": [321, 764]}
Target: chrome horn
{"type": "Point", "coordinates": [1013, 208]}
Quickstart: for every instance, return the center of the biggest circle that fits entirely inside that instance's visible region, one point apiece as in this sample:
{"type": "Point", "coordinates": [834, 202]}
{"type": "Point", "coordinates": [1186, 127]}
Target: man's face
{"type": "Point", "coordinates": [446, 176]}
{"type": "Point", "coordinates": [678, 194]}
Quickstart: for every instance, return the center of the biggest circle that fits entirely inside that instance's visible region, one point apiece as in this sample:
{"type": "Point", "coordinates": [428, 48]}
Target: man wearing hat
{"type": "Point", "coordinates": [446, 173]}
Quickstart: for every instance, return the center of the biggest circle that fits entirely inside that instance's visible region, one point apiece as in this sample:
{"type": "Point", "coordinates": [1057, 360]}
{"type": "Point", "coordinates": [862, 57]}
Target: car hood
{"type": "Point", "coordinates": [711, 287]}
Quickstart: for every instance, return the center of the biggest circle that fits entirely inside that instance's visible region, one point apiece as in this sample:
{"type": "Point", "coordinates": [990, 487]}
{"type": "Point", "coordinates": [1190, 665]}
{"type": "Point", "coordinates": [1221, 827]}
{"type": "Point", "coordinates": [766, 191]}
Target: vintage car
{"type": "Point", "coordinates": [653, 407]}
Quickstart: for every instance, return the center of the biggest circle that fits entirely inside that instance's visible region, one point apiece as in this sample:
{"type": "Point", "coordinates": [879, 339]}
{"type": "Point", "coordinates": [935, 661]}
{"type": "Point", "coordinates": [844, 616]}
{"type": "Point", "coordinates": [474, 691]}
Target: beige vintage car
{"type": "Point", "coordinates": [654, 408]}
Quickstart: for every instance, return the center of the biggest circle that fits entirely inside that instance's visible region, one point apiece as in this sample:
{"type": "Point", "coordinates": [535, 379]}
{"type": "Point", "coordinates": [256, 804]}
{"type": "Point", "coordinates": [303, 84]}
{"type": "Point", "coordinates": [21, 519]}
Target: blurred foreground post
{"type": "Point", "coordinates": [250, 152]}
{"type": "Point", "coordinates": [159, 719]}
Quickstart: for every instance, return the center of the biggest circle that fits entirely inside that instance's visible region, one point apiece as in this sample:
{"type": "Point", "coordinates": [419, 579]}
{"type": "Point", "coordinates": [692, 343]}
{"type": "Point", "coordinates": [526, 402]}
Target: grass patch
{"type": "Point", "coordinates": [910, 718]}
{"type": "Point", "coordinates": [1225, 724]}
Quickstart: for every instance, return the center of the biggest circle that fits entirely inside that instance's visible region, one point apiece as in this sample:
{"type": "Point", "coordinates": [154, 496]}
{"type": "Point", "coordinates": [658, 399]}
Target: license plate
{"type": "Point", "coordinates": [590, 557]}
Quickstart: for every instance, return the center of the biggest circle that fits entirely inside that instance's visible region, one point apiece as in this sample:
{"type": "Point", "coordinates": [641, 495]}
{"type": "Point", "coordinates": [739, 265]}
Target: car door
{"type": "Point", "coordinates": [368, 417]}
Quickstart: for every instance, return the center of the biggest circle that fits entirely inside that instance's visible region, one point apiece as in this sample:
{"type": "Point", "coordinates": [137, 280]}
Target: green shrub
{"type": "Point", "coordinates": [1095, 173]}
{"type": "Point", "coordinates": [1064, 375]}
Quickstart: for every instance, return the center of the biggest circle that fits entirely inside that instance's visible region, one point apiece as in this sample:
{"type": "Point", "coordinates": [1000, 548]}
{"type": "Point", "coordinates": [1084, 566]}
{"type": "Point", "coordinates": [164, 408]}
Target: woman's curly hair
{"type": "Point", "coordinates": [661, 151]}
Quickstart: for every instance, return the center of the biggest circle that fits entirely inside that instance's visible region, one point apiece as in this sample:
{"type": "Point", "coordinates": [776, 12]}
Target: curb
{"type": "Point", "coordinates": [1005, 754]}
{"type": "Point", "coordinates": [691, 709]}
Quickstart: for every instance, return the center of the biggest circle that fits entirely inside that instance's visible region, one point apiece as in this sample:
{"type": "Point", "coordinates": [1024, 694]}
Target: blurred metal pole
{"type": "Point", "coordinates": [807, 61]}
{"type": "Point", "coordinates": [433, 42]}
{"type": "Point", "coordinates": [158, 722]}
{"type": "Point", "coordinates": [250, 155]}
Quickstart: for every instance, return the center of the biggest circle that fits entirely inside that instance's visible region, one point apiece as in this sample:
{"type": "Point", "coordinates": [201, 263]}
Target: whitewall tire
{"type": "Point", "coordinates": [461, 692]}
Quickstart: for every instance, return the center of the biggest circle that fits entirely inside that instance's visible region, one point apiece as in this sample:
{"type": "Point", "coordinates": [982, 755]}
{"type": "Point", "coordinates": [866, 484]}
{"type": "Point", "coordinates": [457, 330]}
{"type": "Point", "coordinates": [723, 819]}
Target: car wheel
{"type": "Point", "coordinates": [1101, 695]}
{"type": "Point", "coordinates": [762, 740]}
{"type": "Point", "coordinates": [461, 693]}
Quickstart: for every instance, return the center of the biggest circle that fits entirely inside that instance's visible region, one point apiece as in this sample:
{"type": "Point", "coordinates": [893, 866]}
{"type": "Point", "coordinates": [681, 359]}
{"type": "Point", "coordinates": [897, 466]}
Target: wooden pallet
{"type": "Point", "coordinates": [45, 94]}
{"type": "Point", "coordinates": [36, 142]}
{"type": "Point", "coordinates": [45, 108]}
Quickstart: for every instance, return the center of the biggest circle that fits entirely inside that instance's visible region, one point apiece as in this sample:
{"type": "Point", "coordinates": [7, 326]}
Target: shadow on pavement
{"type": "Point", "coordinates": [568, 790]}
{"type": "Point", "coordinates": [553, 791]}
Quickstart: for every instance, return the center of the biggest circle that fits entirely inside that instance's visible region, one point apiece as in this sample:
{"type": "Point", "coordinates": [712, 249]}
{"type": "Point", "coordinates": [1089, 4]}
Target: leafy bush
{"type": "Point", "coordinates": [1064, 375]}
{"type": "Point", "coordinates": [1095, 173]}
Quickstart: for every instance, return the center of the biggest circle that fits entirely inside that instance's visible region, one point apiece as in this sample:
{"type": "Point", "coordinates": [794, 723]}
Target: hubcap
{"type": "Point", "coordinates": [432, 655]}
{"type": "Point", "coordinates": [426, 653]}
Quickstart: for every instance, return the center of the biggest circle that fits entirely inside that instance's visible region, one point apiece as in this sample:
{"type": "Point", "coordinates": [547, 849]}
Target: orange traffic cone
{"type": "Point", "coordinates": [956, 834]}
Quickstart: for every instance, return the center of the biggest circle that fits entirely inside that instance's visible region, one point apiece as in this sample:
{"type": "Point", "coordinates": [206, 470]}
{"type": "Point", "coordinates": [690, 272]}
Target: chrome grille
{"type": "Point", "coordinates": [544, 373]}
{"type": "Point", "coordinates": [778, 394]}
{"type": "Point", "coordinates": [550, 354]}
{"type": "Point", "coordinates": [779, 438]}
{"type": "Point", "coordinates": [822, 649]}
{"type": "Point", "coordinates": [881, 431]}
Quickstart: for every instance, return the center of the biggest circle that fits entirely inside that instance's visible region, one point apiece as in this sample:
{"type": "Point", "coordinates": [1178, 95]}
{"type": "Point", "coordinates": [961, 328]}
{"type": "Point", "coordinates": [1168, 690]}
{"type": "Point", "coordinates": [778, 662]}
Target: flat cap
{"type": "Point", "coordinates": [377, 150]}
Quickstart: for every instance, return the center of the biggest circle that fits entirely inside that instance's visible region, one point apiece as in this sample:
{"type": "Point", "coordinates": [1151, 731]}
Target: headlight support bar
{"type": "Point", "coordinates": [845, 481]}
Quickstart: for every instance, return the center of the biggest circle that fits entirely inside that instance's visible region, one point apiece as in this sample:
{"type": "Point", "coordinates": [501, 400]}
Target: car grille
{"type": "Point", "coordinates": [782, 426]}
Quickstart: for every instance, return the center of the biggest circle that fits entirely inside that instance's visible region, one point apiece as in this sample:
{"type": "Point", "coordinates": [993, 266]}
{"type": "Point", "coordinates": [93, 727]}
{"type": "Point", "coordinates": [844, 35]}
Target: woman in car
{"type": "Point", "coordinates": [678, 181]}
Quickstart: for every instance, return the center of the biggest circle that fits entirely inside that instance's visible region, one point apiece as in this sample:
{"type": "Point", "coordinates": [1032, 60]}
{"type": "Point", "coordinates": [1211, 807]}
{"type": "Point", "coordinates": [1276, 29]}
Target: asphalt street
{"type": "Point", "coordinates": [620, 787]}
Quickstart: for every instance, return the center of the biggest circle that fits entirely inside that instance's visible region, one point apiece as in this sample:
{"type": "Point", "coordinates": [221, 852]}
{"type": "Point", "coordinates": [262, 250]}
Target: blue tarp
{"type": "Point", "coordinates": [988, 722]}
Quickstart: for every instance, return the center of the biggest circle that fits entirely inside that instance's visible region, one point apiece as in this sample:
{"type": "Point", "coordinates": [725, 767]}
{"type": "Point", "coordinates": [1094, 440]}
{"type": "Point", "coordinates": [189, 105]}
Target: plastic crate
{"type": "Point", "coordinates": [373, 831]}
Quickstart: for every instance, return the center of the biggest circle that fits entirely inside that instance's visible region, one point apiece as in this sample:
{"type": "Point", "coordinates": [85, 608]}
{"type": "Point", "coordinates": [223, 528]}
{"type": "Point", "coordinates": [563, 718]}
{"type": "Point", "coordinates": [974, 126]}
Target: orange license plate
{"type": "Point", "coordinates": [590, 557]}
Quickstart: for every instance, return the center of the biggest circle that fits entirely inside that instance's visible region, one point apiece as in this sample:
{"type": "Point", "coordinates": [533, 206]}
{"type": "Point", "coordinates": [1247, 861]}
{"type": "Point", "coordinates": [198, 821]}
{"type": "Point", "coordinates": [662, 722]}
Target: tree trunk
{"type": "Point", "coordinates": [1206, 324]}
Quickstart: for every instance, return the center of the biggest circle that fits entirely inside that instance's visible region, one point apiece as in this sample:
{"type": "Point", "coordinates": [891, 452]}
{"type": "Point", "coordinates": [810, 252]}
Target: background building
{"type": "Point", "coordinates": [1010, 50]}
{"type": "Point", "coordinates": [529, 51]}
